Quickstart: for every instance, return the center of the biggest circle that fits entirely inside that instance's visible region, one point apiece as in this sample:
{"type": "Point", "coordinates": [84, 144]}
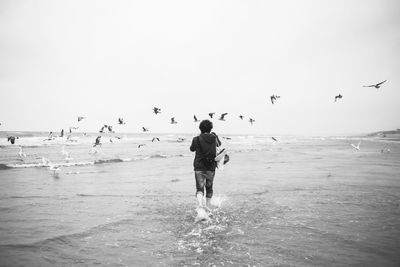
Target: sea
{"type": "Point", "coordinates": [297, 201]}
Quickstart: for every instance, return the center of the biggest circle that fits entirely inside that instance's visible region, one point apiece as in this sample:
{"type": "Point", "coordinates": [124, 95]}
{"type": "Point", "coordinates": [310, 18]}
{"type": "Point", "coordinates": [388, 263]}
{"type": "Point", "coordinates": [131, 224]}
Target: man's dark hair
{"type": "Point", "coordinates": [205, 126]}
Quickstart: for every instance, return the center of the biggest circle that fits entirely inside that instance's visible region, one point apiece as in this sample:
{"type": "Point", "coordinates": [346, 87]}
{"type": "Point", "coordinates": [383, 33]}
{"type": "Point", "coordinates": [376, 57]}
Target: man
{"type": "Point", "coordinates": [205, 146]}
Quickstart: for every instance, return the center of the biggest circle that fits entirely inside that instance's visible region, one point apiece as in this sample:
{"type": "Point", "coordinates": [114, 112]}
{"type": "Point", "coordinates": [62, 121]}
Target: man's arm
{"type": "Point", "coordinates": [193, 145]}
{"type": "Point", "coordinates": [217, 140]}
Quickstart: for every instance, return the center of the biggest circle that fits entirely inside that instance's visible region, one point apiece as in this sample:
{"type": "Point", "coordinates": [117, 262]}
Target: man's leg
{"type": "Point", "coordinates": [200, 179]}
{"type": "Point", "coordinates": [209, 187]}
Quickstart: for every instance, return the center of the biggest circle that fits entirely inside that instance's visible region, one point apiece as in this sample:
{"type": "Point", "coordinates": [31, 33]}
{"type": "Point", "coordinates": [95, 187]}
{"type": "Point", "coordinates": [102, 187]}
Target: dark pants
{"type": "Point", "coordinates": [204, 179]}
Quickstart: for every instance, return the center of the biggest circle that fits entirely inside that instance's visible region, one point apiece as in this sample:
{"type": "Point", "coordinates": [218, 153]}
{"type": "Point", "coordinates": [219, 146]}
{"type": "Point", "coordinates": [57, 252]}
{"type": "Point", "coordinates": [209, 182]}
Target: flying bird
{"type": "Point", "coordinates": [180, 139]}
{"type": "Point", "coordinates": [73, 128]}
{"type": "Point", "coordinates": [65, 153]}
{"type": "Point", "coordinates": [274, 98]}
{"type": "Point", "coordinates": [105, 126]}
{"type": "Point", "coordinates": [97, 141]}
{"type": "Point", "coordinates": [140, 145]}
{"type": "Point", "coordinates": [377, 86]}
{"type": "Point", "coordinates": [222, 118]}
{"type": "Point", "coordinates": [109, 127]}
{"type": "Point", "coordinates": [11, 139]}
{"type": "Point", "coordinates": [339, 96]}
{"type": "Point", "coordinates": [21, 153]}
{"type": "Point", "coordinates": [251, 121]}
{"type": "Point", "coordinates": [121, 121]}
{"type": "Point", "coordinates": [173, 120]}
{"type": "Point", "coordinates": [155, 138]}
{"type": "Point", "coordinates": [145, 129]}
{"type": "Point", "coordinates": [81, 118]}
{"type": "Point", "coordinates": [273, 138]}
{"type": "Point", "coordinates": [356, 146]}
{"type": "Point", "coordinates": [227, 138]}
{"type": "Point", "coordinates": [241, 117]}
{"type": "Point", "coordinates": [195, 118]}
{"type": "Point", "coordinates": [211, 114]}
{"type": "Point", "coordinates": [50, 137]}
{"type": "Point", "coordinates": [55, 169]}
{"type": "Point", "coordinates": [156, 110]}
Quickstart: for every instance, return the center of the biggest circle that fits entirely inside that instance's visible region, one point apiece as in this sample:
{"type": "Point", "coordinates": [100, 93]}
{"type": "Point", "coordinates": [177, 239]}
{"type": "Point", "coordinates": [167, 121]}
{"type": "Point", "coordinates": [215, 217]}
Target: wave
{"type": "Point", "coordinates": [102, 161]}
{"type": "Point", "coordinates": [102, 195]}
{"type": "Point", "coordinates": [86, 163]}
{"type": "Point", "coordinates": [68, 239]}
{"type": "Point", "coordinates": [44, 165]}
{"type": "Point", "coordinates": [4, 166]}
{"type": "Point", "coordinates": [162, 156]}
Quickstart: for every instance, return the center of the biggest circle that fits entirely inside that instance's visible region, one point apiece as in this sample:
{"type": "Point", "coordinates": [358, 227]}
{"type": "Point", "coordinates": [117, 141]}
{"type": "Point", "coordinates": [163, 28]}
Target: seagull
{"type": "Point", "coordinates": [50, 137]}
{"type": "Point", "coordinates": [97, 142]}
{"type": "Point", "coordinates": [377, 86]}
{"type": "Point", "coordinates": [173, 120]}
{"type": "Point", "coordinates": [274, 98]}
{"type": "Point", "coordinates": [273, 138]}
{"type": "Point", "coordinates": [145, 129]}
{"type": "Point", "coordinates": [241, 117]}
{"type": "Point", "coordinates": [222, 118]}
{"type": "Point", "coordinates": [65, 154]}
{"type": "Point", "coordinates": [156, 110]}
{"type": "Point", "coordinates": [21, 153]}
{"type": "Point", "coordinates": [155, 138]}
{"type": "Point", "coordinates": [356, 146]}
{"type": "Point", "coordinates": [109, 127]}
{"type": "Point", "coordinates": [338, 96]}
{"type": "Point", "coordinates": [180, 139]}
{"type": "Point", "coordinates": [80, 118]}
{"type": "Point", "coordinates": [140, 145]}
{"type": "Point", "coordinates": [11, 139]}
{"type": "Point", "coordinates": [211, 114]}
{"type": "Point", "coordinates": [121, 121]}
{"type": "Point", "coordinates": [251, 121]}
{"type": "Point", "coordinates": [45, 161]}
{"type": "Point", "coordinates": [73, 127]}
{"type": "Point", "coordinates": [54, 168]}
{"type": "Point", "coordinates": [195, 118]}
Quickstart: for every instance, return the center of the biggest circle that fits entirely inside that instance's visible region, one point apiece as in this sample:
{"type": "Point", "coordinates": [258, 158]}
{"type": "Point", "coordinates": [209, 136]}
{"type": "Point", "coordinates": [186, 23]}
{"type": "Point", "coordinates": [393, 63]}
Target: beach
{"type": "Point", "coordinates": [300, 201]}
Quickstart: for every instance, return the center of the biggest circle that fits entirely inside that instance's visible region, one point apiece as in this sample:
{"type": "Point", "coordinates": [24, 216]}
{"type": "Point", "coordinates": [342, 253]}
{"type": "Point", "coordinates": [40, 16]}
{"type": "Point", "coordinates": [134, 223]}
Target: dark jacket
{"type": "Point", "coordinates": [208, 149]}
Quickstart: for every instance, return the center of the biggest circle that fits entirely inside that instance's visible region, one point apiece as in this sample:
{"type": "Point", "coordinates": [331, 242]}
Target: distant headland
{"type": "Point", "coordinates": [390, 135]}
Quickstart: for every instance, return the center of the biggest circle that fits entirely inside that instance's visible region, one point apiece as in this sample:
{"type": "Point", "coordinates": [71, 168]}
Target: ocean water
{"type": "Point", "coordinates": [300, 201]}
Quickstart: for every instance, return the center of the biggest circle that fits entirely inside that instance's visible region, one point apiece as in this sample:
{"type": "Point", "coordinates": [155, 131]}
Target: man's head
{"type": "Point", "coordinates": [205, 126]}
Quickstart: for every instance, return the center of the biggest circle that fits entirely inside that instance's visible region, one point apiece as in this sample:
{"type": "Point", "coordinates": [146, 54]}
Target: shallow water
{"type": "Point", "coordinates": [297, 202]}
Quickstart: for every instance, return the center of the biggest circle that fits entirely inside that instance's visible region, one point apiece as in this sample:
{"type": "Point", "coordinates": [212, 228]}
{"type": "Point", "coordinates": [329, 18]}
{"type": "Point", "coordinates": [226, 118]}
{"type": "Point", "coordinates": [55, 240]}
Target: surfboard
{"type": "Point", "coordinates": [220, 159]}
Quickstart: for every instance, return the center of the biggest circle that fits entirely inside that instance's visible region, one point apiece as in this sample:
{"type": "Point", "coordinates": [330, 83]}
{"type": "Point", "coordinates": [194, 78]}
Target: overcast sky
{"type": "Point", "coordinates": [110, 59]}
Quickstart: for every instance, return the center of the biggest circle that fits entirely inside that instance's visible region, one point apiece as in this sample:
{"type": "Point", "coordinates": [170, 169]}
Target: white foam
{"type": "Point", "coordinates": [202, 215]}
{"type": "Point", "coordinates": [217, 201]}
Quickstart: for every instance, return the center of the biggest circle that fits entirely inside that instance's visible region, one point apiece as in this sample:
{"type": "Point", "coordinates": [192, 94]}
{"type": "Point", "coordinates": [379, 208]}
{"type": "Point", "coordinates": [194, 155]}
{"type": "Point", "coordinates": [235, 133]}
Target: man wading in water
{"type": "Point", "coordinates": [204, 164]}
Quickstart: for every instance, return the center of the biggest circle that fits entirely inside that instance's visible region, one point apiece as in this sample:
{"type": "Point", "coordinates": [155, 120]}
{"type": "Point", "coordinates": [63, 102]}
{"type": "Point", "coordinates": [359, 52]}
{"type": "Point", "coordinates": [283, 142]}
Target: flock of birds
{"type": "Point", "coordinates": [109, 128]}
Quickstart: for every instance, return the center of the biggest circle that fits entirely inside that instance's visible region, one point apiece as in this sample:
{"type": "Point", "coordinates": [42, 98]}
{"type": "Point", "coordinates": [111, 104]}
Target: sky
{"type": "Point", "coordinates": [109, 59]}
